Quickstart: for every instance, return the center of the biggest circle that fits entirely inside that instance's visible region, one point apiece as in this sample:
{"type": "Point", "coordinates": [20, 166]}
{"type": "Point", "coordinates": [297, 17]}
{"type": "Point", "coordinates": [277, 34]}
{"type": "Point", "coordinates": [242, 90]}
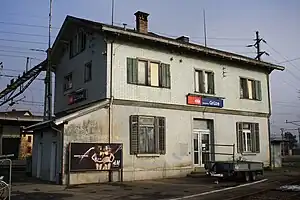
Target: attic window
{"type": "Point", "coordinates": [77, 44]}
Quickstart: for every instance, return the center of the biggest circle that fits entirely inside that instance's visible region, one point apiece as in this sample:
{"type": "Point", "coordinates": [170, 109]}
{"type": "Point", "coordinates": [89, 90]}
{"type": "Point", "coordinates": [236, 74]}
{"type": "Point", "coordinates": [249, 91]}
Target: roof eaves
{"type": "Point", "coordinates": [211, 51]}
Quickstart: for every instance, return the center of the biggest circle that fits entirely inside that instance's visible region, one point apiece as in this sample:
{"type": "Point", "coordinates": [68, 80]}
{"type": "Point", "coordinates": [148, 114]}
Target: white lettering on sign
{"type": "Point", "coordinates": [214, 103]}
{"type": "Point", "coordinates": [197, 101]}
{"type": "Point", "coordinates": [116, 163]}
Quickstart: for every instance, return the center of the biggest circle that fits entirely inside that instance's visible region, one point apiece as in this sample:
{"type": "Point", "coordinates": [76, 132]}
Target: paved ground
{"type": "Point", "coordinates": [143, 190]}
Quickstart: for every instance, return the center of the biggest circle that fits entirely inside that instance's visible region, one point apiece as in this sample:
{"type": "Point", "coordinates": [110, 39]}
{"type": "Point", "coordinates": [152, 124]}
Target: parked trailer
{"type": "Point", "coordinates": [247, 170]}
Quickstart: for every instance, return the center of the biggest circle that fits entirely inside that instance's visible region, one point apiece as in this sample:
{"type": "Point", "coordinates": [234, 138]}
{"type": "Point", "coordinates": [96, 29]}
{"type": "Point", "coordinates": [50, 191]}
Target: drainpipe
{"type": "Point", "coordinates": [61, 151]}
{"type": "Point", "coordinates": [269, 115]}
{"type": "Point", "coordinates": [110, 95]}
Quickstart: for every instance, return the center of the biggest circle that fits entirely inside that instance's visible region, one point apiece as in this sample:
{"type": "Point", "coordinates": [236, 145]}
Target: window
{"type": "Point", "coordinates": [247, 137]}
{"type": "Point", "coordinates": [29, 139]}
{"type": "Point", "coordinates": [88, 72]}
{"type": "Point", "coordinates": [68, 84]}
{"type": "Point", "coordinates": [77, 44]}
{"type": "Point", "coordinates": [144, 72]}
{"type": "Point", "coordinates": [204, 82]}
{"type": "Point", "coordinates": [250, 89]}
{"type": "Point", "coordinates": [147, 135]}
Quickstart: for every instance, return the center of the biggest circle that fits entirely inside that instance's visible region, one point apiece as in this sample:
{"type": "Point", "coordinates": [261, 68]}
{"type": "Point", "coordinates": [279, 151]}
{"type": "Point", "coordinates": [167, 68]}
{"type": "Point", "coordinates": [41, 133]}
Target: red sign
{"type": "Point", "coordinates": [194, 100]}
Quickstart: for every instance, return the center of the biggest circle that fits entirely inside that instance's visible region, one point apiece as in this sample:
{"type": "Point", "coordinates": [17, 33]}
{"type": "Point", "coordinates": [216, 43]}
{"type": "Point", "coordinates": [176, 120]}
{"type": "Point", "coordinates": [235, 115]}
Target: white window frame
{"type": "Point", "coordinates": [199, 88]}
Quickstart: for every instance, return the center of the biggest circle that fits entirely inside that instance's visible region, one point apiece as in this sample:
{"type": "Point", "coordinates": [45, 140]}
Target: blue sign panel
{"type": "Point", "coordinates": [212, 102]}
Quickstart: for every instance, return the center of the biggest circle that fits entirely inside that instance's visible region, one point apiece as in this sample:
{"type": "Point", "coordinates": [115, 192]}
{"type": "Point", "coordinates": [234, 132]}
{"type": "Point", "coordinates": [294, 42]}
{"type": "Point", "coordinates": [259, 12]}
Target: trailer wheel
{"type": "Point", "coordinates": [253, 176]}
{"type": "Point", "coordinates": [246, 176]}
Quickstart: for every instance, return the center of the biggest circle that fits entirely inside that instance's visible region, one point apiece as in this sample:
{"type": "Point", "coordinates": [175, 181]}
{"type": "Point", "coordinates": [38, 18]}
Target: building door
{"type": "Point", "coordinates": [39, 160]}
{"type": "Point", "coordinates": [201, 147]}
{"type": "Point", "coordinates": [53, 161]}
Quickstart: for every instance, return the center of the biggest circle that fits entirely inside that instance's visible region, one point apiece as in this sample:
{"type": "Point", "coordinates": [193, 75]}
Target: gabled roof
{"type": "Point", "coordinates": [137, 37]}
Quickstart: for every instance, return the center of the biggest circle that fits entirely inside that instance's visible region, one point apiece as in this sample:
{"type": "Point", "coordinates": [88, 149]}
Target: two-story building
{"type": "Point", "coordinates": [172, 104]}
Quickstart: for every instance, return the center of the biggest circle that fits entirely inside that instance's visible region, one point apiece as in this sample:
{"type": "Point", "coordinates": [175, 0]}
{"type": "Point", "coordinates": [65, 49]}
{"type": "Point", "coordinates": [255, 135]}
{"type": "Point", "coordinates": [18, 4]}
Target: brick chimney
{"type": "Point", "coordinates": [141, 21]}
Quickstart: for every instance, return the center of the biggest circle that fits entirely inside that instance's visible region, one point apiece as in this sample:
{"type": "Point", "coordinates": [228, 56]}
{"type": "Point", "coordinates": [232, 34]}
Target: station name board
{"type": "Point", "coordinates": [205, 101]}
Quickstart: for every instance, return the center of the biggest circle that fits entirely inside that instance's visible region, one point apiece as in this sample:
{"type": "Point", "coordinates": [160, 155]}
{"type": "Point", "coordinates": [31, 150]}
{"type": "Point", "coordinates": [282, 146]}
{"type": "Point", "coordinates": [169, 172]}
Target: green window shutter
{"type": "Point", "coordinates": [257, 142]}
{"type": "Point", "coordinates": [134, 134]}
{"type": "Point", "coordinates": [239, 136]}
{"type": "Point", "coordinates": [254, 91]}
{"type": "Point", "coordinates": [132, 70]}
{"type": "Point", "coordinates": [211, 83]}
{"type": "Point", "coordinates": [258, 90]}
{"type": "Point", "coordinates": [161, 131]}
{"type": "Point", "coordinates": [164, 75]}
{"type": "Point", "coordinates": [244, 88]}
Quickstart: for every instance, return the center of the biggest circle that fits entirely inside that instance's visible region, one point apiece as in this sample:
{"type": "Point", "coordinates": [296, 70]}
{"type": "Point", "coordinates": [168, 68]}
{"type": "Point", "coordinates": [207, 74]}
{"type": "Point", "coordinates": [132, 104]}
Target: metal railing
{"type": "Point", "coordinates": [213, 151]}
{"type": "Point", "coordinates": [5, 188]}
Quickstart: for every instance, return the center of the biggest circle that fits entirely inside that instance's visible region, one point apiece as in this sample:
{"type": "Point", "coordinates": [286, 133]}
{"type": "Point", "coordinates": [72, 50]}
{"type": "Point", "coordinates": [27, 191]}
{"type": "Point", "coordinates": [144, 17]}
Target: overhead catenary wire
{"type": "Point", "coordinates": [22, 41]}
{"type": "Point", "coordinates": [28, 25]}
{"type": "Point", "coordinates": [25, 34]}
{"type": "Point", "coordinates": [29, 51]}
{"type": "Point", "coordinates": [20, 56]}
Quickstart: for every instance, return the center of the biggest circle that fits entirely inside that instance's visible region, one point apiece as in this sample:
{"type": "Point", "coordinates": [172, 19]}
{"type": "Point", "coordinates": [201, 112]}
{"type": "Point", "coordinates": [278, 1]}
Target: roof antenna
{"type": "Point", "coordinates": [112, 11]}
{"type": "Point", "coordinates": [204, 24]}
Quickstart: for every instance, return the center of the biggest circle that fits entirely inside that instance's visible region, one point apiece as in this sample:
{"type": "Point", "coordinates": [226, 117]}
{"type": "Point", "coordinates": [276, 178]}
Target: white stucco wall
{"type": "Point", "coordinates": [182, 79]}
{"type": "Point", "coordinates": [179, 125]}
{"type": "Point", "coordinates": [89, 128]}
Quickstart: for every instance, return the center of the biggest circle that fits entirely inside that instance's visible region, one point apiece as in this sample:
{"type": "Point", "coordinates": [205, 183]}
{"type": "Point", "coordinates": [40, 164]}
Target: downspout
{"type": "Point", "coordinates": [111, 98]}
{"type": "Point", "coordinates": [269, 115]}
{"type": "Point", "coordinates": [61, 153]}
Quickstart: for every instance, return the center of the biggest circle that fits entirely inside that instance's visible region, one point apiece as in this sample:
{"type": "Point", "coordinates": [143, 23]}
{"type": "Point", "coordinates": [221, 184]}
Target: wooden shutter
{"type": "Point", "coordinates": [132, 70]}
{"type": "Point", "coordinates": [164, 75]}
{"type": "Point", "coordinates": [148, 73]}
{"type": "Point", "coordinates": [161, 130]}
{"type": "Point", "coordinates": [211, 83]}
{"type": "Point", "coordinates": [258, 90]}
{"type": "Point", "coordinates": [201, 81]}
{"type": "Point", "coordinates": [244, 88]}
{"type": "Point", "coordinates": [256, 137]}
{"type": "Point", "coordinates": [239, 136]}
{"type": "Point", "coordinates": [134, 134]}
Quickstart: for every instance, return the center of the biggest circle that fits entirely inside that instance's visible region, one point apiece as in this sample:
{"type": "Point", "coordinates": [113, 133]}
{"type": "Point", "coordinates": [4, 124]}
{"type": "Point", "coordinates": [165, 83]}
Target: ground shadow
{"type": "Point", "coordinates": [39, 196]}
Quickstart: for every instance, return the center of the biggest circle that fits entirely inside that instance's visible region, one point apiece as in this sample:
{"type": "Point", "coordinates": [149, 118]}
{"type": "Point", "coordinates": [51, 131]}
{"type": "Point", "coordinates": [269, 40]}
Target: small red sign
{"type": "Point", "coordinates": [194, 100]}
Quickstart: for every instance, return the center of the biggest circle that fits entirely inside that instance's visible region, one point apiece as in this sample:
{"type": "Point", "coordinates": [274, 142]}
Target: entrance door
{"type": "Point", "coordinates": [53, 161]}
{"type": "Point", "coordinates": [201, 147]}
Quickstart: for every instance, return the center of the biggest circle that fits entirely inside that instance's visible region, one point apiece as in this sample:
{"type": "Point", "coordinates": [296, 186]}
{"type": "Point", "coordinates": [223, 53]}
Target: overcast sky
{"type": "Point", "coordinates": [231, 25]}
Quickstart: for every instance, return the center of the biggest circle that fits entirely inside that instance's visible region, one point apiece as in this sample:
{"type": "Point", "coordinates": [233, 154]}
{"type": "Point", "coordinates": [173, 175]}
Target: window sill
{"type": "Point", "coordinates": [249, 154]}
{"type": "Point", "coordinates": [250, 99]}
{"type": "Point", "coordinates": [147, 155]}
{"type": "Point", "coordinates": [206, 95]}
{"type": "Point", "coordinates": [150, 86]}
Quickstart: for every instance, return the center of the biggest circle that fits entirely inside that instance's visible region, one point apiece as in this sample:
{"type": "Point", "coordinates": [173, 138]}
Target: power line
{"type": "Point", "coordinates": [18, 47]}
{"type": "Point", "coordinates": [284, 57]}
{"type": "Point", "coordinates": [20, 56]}
{"type": "Point", "coordinates": [26, 15]}
{"type": "Point", "coordinates": [28, 25]}
{"type": "Point", "coordinates": [298, 58]}
{"type": "Point", "coordinates": [14, 76]}
{"type": "Point", "coordinates": [23, 41]}
{"type": "Point", "coordinates": [12, 51]}
{"type": "Point", "coordinates": [27, 34]}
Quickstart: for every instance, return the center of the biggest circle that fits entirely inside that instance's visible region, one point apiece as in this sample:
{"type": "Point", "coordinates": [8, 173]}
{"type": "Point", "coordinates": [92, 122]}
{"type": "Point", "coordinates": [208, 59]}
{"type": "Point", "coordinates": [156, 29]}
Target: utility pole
{"type": "Point", "coordinates": [48, 79]}
{"type": "Point", "coordinates": [258, 40]}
